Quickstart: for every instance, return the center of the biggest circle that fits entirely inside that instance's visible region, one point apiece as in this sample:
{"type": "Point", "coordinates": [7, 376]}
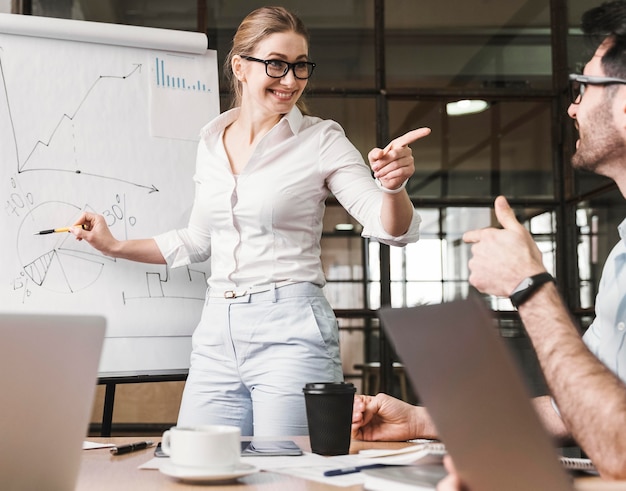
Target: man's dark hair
{"type": "Point", "coordinates": [608, 21]}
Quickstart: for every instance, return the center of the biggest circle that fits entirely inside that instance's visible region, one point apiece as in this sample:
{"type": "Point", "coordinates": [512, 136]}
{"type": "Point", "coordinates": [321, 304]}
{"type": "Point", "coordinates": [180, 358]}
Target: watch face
{"type": "Point", "coordinates": [527, 287]}
{"type": "Point", "coordinates": [523, 285]}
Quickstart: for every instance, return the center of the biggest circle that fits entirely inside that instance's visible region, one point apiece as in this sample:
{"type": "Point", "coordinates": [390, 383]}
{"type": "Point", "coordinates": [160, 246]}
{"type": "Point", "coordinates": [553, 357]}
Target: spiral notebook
{"type": "Point", "coordinates": [578, 464]}
{"type": "Point", "coordinates": [462, 372]}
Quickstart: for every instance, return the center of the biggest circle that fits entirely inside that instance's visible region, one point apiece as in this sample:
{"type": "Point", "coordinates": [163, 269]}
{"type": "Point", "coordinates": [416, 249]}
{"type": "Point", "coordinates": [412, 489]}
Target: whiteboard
{"type": "Point", "coordinates": [104, 118]}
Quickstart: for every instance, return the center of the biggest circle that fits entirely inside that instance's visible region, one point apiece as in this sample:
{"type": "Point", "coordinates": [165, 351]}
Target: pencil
{"type": "Point", "coordinates": [59, 230]}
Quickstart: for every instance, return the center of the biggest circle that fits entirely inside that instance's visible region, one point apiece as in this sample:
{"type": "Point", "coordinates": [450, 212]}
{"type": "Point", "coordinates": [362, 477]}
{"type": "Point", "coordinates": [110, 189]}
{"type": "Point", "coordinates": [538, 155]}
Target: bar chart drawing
{"type": "Point", "coordinates": [176, 81]}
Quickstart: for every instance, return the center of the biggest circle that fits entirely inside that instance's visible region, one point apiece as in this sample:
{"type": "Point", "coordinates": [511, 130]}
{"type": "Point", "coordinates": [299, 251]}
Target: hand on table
{"type": "Point", "coordinates": [385, 418]}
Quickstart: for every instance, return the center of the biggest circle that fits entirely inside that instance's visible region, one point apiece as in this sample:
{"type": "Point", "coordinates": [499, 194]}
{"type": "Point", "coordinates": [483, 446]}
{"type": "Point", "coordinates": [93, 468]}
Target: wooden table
{"type": "Point", "coordinates": [102, 471]}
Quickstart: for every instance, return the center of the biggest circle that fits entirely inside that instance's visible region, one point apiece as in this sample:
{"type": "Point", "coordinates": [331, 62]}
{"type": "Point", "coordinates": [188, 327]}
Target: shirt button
{"type": "Point", "coordinates": [621, 326]}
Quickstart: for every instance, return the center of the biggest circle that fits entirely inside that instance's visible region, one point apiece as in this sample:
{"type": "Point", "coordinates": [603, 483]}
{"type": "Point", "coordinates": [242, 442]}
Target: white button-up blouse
{"type": "Point", "coordinates": [265, 224]}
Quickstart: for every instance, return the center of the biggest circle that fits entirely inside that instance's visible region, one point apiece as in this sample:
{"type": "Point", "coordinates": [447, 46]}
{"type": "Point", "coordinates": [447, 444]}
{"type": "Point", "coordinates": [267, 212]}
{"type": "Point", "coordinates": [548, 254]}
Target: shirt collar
{"type": "Point", "coordinates": [294, 119]}
{"type": "Point", "coordinates": [218, 124]}
{"type": "Point", "coordinates": [621, 228]}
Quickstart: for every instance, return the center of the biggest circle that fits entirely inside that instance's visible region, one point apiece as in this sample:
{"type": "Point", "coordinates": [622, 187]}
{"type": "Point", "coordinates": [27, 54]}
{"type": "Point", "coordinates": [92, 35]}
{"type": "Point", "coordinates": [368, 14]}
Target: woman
{"type": "Point", "coordinates": [263, 173]}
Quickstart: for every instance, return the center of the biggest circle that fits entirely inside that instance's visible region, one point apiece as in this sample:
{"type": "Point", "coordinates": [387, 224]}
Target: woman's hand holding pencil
{"type": "Point", "coordinates": [93, 228]}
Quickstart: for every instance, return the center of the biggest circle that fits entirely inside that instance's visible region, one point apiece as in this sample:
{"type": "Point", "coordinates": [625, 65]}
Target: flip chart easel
{"type": "Point", "coordinates": [104, 118]}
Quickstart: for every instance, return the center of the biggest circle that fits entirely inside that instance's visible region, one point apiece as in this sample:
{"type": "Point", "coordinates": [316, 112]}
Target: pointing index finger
{"type": "Point", "coordinates": [408, 138]}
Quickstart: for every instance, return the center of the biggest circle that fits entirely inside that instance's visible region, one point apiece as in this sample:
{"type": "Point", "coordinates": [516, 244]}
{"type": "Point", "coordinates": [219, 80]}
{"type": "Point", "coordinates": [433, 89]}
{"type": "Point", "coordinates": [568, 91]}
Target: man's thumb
{"type": "Point", "coordinates": [505, 214]}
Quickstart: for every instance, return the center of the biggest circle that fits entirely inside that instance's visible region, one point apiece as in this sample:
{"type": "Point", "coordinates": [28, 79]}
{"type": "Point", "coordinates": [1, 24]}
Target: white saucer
{"type": "Point", "coordinates": [195, 474]}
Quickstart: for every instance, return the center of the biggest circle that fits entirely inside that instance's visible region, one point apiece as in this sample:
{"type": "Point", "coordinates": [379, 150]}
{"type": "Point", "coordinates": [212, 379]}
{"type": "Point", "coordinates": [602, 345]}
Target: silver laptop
{"type": "Point", "coordinates": [48, 373]}
{"type": "Point", "coordinates": [462, 372]}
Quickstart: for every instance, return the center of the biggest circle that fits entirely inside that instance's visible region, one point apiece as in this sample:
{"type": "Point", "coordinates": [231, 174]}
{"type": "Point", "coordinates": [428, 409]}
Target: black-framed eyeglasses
{"type": "Point", "coordinates": [578, 84]}
{"type": "Point", "coordinates": [279, 68]}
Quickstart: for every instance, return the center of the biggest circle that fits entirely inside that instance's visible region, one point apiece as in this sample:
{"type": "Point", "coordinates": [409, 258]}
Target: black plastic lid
{"type": "Point", "coordinates": [315, 387]}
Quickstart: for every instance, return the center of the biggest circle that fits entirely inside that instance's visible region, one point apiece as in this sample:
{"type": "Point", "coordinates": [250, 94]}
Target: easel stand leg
{"type": "Point", "coordinates": [107, 413]}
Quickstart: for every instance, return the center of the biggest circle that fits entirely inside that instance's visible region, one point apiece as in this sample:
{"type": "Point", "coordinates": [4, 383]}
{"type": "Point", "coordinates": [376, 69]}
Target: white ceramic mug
{"type": "Point", "coordinates": [211, 447]}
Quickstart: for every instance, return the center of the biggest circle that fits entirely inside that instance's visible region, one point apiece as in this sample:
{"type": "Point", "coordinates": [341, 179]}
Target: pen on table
{"type": "Point", "coordinates": [59, 230]}
{"type": "Point", "coordinates": [131, 447]}
{"type": "Point", "coordinates": [352, 470]}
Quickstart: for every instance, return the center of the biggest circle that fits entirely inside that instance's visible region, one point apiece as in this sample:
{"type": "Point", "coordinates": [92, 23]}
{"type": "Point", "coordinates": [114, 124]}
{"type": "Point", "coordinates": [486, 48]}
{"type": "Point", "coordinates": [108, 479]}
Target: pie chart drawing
{"type": "Point", "coordinates": [56, 262]}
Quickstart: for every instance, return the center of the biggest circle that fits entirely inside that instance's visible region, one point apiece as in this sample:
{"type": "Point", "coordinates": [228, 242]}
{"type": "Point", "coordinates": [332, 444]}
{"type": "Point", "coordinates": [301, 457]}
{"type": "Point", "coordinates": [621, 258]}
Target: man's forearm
{"type": "Point", "coordinates": [550, 418]}
{"type": "Point", "coordinates": [591, 399]}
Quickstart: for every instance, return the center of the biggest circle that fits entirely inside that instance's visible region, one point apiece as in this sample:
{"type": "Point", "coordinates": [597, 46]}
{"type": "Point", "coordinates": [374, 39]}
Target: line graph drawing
{"type": "Point", "coordinates": [64, 130]}
{"type": "Point", "coordinates": [23, 167]}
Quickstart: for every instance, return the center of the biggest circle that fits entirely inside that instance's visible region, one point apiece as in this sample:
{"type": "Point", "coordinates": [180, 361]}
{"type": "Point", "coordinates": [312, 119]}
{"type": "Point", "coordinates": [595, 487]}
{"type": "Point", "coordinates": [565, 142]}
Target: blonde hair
{"type": "Point", "coordinates": [258, 25]}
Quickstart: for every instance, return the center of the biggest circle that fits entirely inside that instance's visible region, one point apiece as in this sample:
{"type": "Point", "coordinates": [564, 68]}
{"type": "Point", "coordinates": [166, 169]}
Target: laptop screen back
{"type": "Point", "coordinates": [48, 373]}
{"type": "Point", "coordinates": [463, 373]}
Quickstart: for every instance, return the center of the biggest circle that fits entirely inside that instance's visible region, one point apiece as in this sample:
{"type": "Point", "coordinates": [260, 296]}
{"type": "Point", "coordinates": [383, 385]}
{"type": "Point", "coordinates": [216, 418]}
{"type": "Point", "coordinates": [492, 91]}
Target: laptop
{"type": "Point", "coordinates": [463, 373]}
{"type": "Point", "coordinates": [48, 374]}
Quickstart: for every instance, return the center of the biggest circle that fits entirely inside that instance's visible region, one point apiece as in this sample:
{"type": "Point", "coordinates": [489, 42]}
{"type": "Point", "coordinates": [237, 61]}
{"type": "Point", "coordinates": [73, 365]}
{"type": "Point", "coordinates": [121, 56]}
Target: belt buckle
{"type": "Point", "coordinates": [230, 294]}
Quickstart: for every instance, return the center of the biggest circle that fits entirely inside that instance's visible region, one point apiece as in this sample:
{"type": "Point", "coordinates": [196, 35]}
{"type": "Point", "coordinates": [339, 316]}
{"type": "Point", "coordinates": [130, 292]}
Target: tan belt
{"type": "Point", "coordinates": [266, 287]}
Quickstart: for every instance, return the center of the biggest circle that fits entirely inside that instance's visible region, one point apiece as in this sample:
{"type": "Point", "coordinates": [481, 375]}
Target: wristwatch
{"type": "Point", "coordinates": [528, 287]}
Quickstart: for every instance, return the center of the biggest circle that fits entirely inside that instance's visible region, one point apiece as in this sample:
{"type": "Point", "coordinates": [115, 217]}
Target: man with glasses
{"type": "Point", "coordinates": [588, 398]}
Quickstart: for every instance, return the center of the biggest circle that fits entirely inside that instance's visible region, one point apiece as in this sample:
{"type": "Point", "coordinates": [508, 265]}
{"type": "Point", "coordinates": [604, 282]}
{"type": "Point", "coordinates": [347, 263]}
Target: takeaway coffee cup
{"type": "Point", "coordinates": [329, 416]}
{"type": "Point", "coordinates": [211, 447]}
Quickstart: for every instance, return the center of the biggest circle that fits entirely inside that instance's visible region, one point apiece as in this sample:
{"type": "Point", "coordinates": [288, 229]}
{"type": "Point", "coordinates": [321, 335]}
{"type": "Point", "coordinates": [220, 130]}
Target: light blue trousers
{"type": "Point", "coordinates": [252, 356]}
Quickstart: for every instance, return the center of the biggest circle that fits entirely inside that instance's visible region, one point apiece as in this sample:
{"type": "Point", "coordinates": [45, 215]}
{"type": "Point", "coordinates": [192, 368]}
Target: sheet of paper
{"type": "Point", "coordinates": [184, 93]}
{"type": "Point", "coordinates": [91, 445]}
{"type": "Point", "coordinates": [154, 464]}
{"type": "Point", "coordinates": [314, 470]}
{"type": "Point", "coordinates": [264, 463]}
{"type": "Point", "coordinates": [425, 453]}
{"type": "Point", "coordinates": [308, 466]}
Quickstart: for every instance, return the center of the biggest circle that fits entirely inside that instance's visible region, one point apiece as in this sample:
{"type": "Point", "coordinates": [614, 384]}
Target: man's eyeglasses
{"type": "Point", "coordinates": [278, 68]}
{"type": "Point", "coordinates": [578, 84]}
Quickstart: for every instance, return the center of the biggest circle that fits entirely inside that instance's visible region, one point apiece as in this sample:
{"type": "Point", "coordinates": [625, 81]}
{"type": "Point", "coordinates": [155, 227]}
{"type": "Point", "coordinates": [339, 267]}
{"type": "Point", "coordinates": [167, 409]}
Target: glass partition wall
{"type": "Point", "coordinates": [387, 66]}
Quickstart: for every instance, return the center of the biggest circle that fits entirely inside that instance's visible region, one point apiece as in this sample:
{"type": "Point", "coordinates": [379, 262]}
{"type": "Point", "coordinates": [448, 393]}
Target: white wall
{"type": "Point", "coordinates": [5, 6]}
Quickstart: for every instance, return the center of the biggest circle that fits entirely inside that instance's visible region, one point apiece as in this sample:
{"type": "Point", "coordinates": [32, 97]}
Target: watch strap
{"type": "Point", "coordinates": [528, 287]}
